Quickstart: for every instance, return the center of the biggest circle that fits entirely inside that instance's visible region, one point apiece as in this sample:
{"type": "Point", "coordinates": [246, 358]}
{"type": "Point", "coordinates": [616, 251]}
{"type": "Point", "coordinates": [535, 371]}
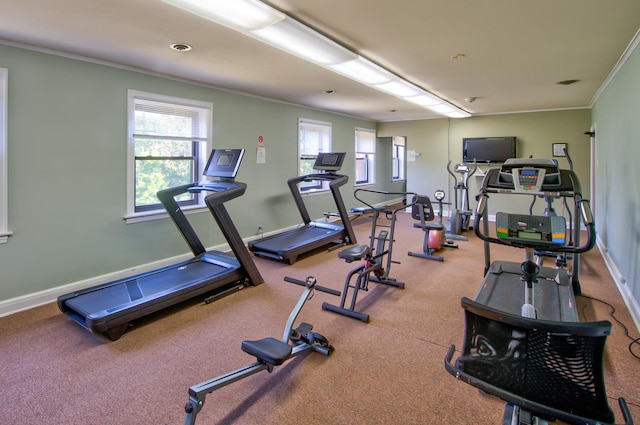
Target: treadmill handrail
{"type": "Point", "coordinates": [587, 217]}
{"type": "Point", "coordinates": [335, 182]}
{"type": "Point", "coordinates": [414, 198]}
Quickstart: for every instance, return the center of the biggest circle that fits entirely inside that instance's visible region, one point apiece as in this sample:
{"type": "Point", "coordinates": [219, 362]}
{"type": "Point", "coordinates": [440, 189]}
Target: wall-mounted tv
{"type": "Point", "coordinates": [488, 149]}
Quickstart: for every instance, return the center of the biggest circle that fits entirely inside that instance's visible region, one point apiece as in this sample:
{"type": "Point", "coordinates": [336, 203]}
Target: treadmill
{"type": "Point", "coordinates": [536, 356]}
{"type": "Point", "coordinates": [503, 282]}
{"type": "Point", "coordinates": [313, 235]}
{"type": "Point", "coordinates": [109, 308]}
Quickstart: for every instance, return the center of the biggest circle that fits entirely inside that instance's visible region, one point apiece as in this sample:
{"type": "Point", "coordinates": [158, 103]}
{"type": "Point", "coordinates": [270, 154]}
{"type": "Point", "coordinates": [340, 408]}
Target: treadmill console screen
{"type": "Point", "coordinates": [536, 230]}
{"type": "Point", "coordinates": [224, 163]}
{"type": "Point", "coordinates": [329, 161]}
{"type": "Point", "coordinates": [528, 178]}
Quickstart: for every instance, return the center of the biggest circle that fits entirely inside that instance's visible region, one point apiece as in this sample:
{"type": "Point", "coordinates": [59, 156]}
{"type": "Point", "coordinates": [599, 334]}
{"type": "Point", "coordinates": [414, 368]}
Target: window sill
{"type": "Point", "coordinates": [314, 192]}
{"type": "Point", "coordinates": [158, 214]}
{"type": "Point", "coordinates": [4, 237]}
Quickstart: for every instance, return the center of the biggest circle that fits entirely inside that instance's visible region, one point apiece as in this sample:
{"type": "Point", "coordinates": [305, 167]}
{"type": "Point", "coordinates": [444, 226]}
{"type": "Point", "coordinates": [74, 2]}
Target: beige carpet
{"type": "Point", "coordinates": [389, 371]}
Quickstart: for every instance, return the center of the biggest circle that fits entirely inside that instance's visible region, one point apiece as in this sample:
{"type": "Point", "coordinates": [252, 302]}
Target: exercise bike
{"type": "Point", "coordinates": [537, 357]}
{"type": "Point", "coordinates": [376, 257]}
{"type": "Point", "coordinates": [269, 352]}
{"type": "Point", "coordinates": [435, 237]}
{"type": "Point", "coordinates": [460, 219]}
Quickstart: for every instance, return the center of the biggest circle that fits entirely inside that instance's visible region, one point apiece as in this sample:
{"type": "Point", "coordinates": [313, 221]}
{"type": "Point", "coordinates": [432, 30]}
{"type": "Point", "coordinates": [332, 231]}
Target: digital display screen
{"type": "Point", "coordinates": [529, 235]}
{"type": "Point", "coordinates": [529, 172]}
{"type": "Point", "coordinates": [224, 160]}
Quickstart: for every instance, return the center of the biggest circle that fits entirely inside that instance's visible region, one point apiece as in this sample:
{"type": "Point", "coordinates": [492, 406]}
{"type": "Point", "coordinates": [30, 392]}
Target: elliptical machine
{"type": "Point", "coordinates": [461, 213]}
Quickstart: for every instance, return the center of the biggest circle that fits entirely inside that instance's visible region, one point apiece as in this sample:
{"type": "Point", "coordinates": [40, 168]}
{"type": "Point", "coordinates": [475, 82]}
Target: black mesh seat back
{"type": "Point", "coordinates": [422, 206]}
{"type": "Point", "coordinates": [553, 364]}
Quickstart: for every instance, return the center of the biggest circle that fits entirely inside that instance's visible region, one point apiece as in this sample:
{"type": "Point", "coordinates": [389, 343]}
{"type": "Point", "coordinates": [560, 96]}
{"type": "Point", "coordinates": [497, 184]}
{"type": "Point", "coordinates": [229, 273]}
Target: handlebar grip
{"type": "Point", "coordinates": [315, 285]}
{"type": "Point", "coordinates": [482, 205]}
{"type": "Point", "coordinates": [328, 290]}
{"type": "Point", "coordinates": [625, 411]}
{"type": "Point", "coordinates": [585, 209]}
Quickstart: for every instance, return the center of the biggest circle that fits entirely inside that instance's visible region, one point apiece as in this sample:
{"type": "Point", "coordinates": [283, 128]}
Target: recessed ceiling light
{"type": "Point", "coordinates": [181, 47]}
{"type": "Point", "coordinates": [567, 82]}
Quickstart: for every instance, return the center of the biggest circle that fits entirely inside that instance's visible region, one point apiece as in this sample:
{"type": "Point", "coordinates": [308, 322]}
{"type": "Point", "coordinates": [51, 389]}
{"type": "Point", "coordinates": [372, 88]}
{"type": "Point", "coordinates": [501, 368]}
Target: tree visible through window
{"type": "Point", "coordinates": [313, 137]}
{"type": "Point", "coordinates": [168, 139]}
{"type": "Point", "coordinates": [365, 156]}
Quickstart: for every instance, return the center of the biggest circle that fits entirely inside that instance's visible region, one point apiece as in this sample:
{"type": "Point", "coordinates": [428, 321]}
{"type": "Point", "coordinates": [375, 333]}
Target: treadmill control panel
{"type": "Point", "coordinates": [528, 179]}
{"type": "Point", "coordinates": [529, 175]}
{"type": "Point", "coordinates": [531, 230]}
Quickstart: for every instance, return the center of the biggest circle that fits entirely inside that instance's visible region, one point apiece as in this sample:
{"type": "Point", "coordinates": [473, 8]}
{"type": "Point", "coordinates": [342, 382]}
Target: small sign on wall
{"type": "Point", "coordinates": [559, 149]}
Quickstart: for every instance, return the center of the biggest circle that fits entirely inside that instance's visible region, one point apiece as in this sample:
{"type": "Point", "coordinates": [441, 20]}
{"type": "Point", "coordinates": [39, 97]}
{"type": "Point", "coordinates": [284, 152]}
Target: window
{"type": "Point", "coordinates": [399, 155]}
{"type": "Point", "coordinates": [365, 156]}
{"type": "Point", "coordinates": [167, 141]}
{"type": "Point", "coordinates": [313, 137]}
{"type": "Point", "coordinates": [4, 221]}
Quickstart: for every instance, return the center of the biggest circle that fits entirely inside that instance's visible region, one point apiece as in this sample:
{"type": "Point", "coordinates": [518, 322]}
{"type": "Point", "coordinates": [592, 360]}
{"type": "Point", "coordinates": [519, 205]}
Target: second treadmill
{"type": "Point", "coordinates": [288, 245]}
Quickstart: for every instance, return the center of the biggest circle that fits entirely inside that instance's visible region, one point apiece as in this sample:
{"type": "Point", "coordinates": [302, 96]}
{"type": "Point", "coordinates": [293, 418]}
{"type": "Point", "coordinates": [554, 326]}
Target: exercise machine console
{"type": "Point", "coordinates": [110, 308]}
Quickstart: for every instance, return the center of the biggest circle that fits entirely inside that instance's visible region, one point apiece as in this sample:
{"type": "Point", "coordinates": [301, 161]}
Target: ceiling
{"type": "Point", "coordinates": [515, 52]}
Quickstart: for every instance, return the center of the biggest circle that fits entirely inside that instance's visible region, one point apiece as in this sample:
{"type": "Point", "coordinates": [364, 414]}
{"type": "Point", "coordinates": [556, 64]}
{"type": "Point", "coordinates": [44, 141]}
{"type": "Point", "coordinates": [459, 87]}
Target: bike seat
{"type": "Point", "coordinates": [429, 226]}
{"type": "Point", "coordinates": [354, 253]}
{"type": "Point", "coordinates": [268, 350]}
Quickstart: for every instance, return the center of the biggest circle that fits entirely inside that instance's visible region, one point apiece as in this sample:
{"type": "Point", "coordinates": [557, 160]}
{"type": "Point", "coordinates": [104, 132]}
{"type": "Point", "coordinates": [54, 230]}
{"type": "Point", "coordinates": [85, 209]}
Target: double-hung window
{"type": "Point", "coordinates": [4, 221]}
{"type": "Point", "coordinates": [168, 139]}
{"type": "Point", "coordinates": [365, 156]}
{"type": "Point", "coordinates": [399, 155]}
{"type": "Point", "coordinates": [313, 137]}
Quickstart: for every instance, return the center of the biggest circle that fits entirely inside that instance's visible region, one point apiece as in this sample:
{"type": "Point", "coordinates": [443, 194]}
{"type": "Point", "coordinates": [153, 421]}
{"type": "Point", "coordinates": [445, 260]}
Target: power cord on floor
{"type": "Point", "coordinates": [634, 341]}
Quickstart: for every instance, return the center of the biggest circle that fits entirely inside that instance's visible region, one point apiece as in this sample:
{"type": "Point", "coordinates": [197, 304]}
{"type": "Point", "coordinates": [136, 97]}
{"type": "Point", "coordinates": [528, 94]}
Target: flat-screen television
{"type": "Point", "coordinates": [488, 149]}
{"type": "Point", "coordinates": [329, 161]}
{"type": "Point", "coordinates": [224, 163]}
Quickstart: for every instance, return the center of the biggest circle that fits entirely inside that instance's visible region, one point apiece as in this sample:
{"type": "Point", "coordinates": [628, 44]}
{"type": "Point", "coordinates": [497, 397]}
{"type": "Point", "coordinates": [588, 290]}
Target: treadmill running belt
{"type": "Point", "coordinates": [155, 285]}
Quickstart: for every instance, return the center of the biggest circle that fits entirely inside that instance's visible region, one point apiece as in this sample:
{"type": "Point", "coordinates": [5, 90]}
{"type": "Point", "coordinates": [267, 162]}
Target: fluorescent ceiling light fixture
{"type": "Point", "coordinates": [363, 70]}
{"type": "Point", "coordinates": [425, 100]}
{"type": "Point", "coordinates": [458, 114]}
{"type": "Point", "coordinates": [399, 88]}
{"type": "Point", "coordinates": [300, 40]}
{"type": "Point", "coordinates": [262, 22]}
{"type": "Point", "coordinates": [240, 15]}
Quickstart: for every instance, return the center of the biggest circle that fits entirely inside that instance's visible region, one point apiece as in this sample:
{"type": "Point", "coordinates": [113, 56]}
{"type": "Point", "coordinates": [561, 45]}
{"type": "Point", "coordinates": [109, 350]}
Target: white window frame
{"type": "Point", "coordinates": [132, 216]}
{"type": "Point", "coordinates": [4, 197]}
{"type": "Point", "coordinates": [365, 150]}
{"type": "Point", "coordinates": [399, 162]}
{"type": "Point", "coordinates": [313, 137]}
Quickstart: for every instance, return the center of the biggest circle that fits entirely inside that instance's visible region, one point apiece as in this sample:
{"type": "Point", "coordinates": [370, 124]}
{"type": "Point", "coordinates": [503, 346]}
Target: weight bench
{"type": "Point", "coordinates": [551, 369]}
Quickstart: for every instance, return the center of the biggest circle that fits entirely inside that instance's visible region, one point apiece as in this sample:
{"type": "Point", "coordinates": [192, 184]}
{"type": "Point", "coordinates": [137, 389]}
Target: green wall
{"type": "Point", "coordinates": [438, 141]}
{"type": "Point", "coordinates": [67, 159]}
{"type": "Point", "coordinates": [67, 164]}
{"type": "Point", "coordinates": [616, 119]}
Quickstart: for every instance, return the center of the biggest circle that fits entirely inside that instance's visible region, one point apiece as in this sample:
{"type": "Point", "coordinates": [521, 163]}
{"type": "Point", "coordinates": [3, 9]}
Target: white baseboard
{"type": "Point", "coordinates": [620, 281]}
{"type": "Point", "coordinates": [25, 302]}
